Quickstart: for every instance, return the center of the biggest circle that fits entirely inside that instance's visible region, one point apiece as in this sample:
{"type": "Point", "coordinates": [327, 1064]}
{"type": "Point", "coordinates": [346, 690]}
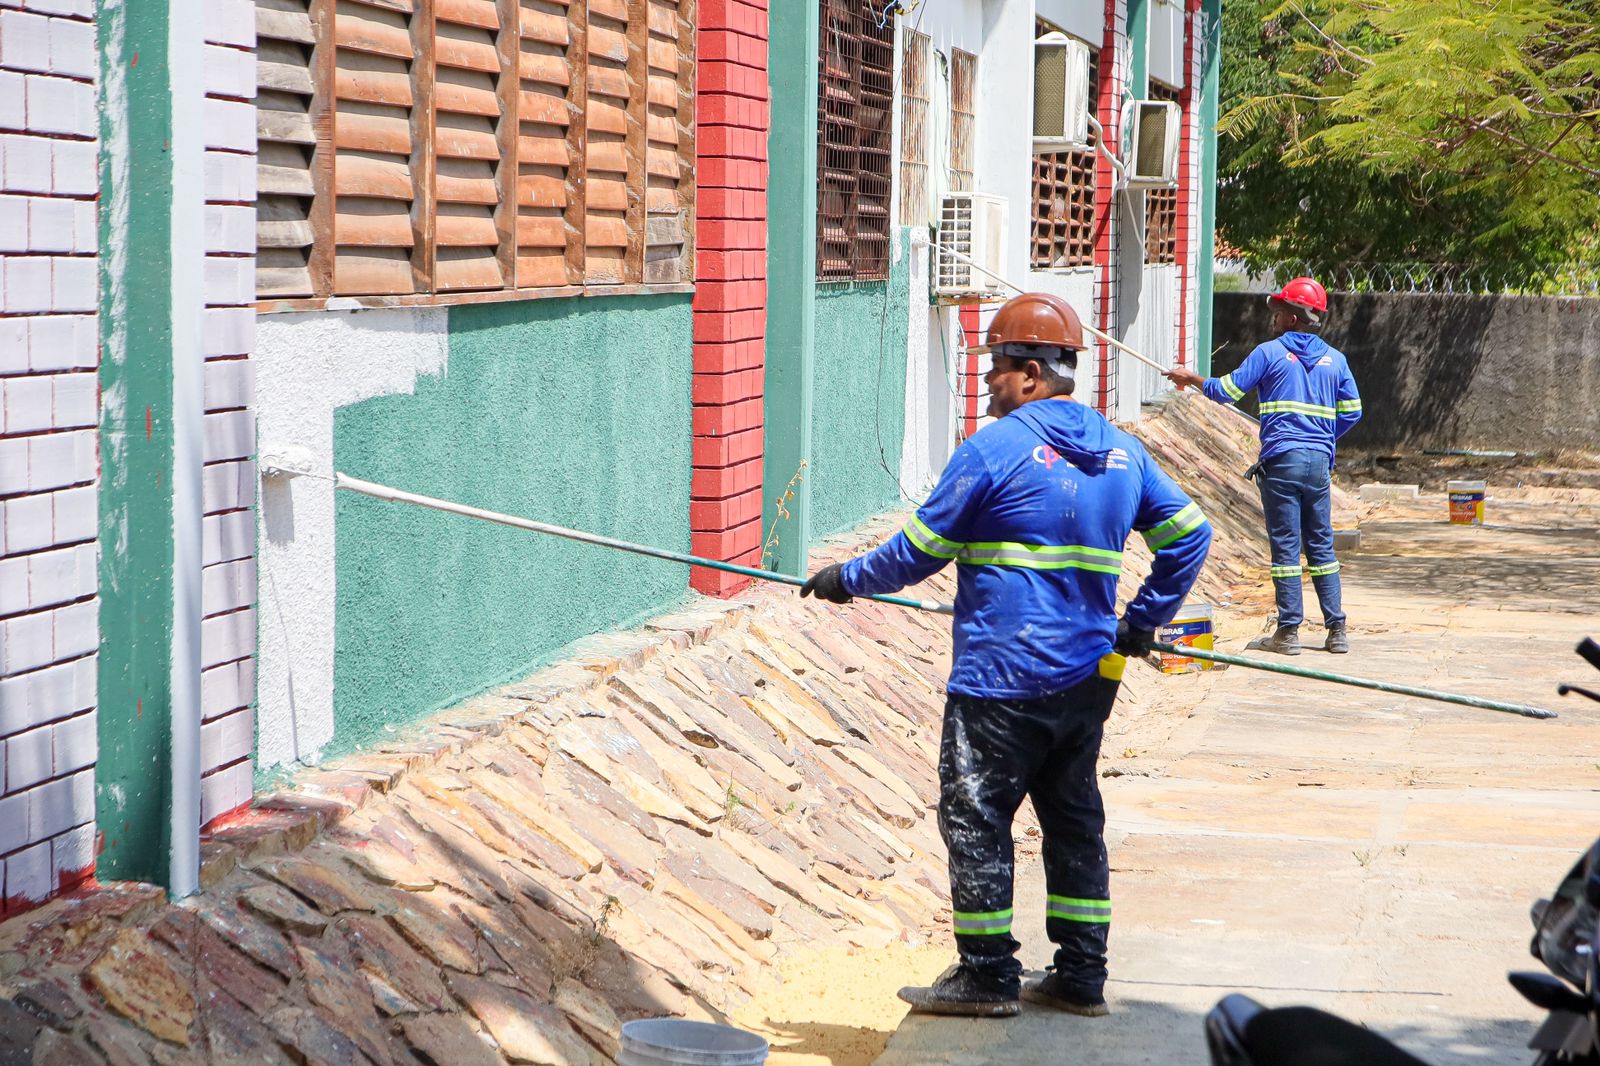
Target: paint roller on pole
{"type": "Point", "coordinates": [394, 495]}
{"type": "Point", "coordinates": [1097, 334]}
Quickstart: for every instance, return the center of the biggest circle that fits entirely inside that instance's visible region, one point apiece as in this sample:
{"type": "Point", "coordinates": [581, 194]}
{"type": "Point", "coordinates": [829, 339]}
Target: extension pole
{"type": "Point", "coordinates": [394, 495]}
{"type": "Point", "coordinates": [1356, 682]}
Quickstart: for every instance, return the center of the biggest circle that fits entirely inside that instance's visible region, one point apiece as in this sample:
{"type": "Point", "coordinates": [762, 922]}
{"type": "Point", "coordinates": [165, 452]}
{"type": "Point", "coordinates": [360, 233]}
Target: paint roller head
{"type": "Point", "coordinates": [287, 461]}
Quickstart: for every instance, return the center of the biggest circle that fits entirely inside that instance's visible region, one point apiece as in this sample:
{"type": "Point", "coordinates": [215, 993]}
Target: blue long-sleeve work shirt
{"type": "Point", "coordinates": [1308, 395]}
{"type": "Point", "coordinates": [1034, 510]}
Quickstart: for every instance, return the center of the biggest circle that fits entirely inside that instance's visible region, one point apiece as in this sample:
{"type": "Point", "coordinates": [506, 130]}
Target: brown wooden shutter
{"type": "Point", "coordinates": [606, 152]}
{"type": "Point", "coordinates": [550, 146]}
{"type": "Point", "coordinates": [287, 143]}
{"type": "Point", "coordinates": [469, 146]}
{"type": "Point", "coordinates": [374, 136]}
{"type": "Point", "coordinates": [669, 147]}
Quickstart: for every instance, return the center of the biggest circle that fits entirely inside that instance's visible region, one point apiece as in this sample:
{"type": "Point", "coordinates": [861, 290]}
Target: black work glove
{"type": "Point", "coordinates": [1134, 643]}
{"type": "Point", "coordinates": [828, 584]}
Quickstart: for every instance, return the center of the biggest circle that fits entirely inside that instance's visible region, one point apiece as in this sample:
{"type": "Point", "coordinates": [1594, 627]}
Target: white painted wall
{"type": "Point", "coordinates": [1164, 43]}
{"type": "Point", "coordinates": [307, 366]}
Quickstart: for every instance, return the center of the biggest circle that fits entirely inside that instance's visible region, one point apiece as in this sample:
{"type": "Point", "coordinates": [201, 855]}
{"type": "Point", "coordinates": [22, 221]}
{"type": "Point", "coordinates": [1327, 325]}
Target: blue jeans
{"type": "Point", "coordinates": [1296, 494]}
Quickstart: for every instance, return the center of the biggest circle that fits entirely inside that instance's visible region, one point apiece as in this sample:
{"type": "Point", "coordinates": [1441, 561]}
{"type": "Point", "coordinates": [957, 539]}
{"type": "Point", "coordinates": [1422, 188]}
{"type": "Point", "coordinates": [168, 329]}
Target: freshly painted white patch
{"type": "Point", "coordinates": [1152, 316]}
{"type": "Point", "coordinates": [307, 366]}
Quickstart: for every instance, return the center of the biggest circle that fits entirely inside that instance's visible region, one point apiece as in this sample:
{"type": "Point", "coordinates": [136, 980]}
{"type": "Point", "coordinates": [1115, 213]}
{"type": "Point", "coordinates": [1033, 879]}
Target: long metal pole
{"type": "Point", "coordinates": [1356, 682]}
{"type": "Point", "coordinates": [394, 495]}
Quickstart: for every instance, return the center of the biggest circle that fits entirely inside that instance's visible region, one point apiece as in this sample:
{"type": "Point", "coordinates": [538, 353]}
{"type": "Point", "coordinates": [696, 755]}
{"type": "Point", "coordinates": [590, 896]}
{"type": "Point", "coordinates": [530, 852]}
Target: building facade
{"type": "Point", "coordinates": [663, 270]}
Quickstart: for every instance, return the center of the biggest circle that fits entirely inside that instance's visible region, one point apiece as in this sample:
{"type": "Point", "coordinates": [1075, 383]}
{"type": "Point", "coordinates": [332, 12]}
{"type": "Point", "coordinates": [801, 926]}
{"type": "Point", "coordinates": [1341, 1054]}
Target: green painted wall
{"type": "Point", "coordinates": [1211, 18]}
{"type": "Point", "coordinates": [792, 52]}
{"type": "Point", "coordinates": [860, 397]}
{"type": "Point", "coordinates": [133, 775]}
{"type": "Point", "coordinates": [569, 411]}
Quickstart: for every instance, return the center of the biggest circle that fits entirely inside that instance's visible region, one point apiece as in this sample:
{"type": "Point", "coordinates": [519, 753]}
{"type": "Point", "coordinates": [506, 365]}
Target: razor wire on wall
{"type": "Point", "coordinates": [1235, 275]}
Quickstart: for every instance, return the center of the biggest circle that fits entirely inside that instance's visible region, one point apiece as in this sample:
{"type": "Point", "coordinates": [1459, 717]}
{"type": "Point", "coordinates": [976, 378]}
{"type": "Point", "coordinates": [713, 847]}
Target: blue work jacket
{"type": "Point", "coordinates": [1308, 396]}
{"type": "Point", "coordinates": [1035, 509]}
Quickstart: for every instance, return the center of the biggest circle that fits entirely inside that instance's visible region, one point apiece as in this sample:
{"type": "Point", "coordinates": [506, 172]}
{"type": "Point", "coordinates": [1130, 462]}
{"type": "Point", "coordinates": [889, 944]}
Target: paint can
{"type": "Point", "coordinates": [680, 1042]}
{"type": "Point", "coordinates": [1192, 626]}
{"type": "Point", "coordinates": [1466, 502]}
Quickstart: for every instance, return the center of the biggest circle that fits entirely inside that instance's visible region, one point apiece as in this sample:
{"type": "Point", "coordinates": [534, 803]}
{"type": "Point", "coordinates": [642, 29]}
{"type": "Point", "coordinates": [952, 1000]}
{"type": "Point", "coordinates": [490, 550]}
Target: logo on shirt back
{"type": "Point", "coordinates": [1117, 459]}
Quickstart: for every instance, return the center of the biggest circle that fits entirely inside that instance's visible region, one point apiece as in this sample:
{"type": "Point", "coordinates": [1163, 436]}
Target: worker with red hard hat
{"type": "Point", "coordinates": [1308, 400]}
{"type": "Point", "coordinates": [1034, 510]}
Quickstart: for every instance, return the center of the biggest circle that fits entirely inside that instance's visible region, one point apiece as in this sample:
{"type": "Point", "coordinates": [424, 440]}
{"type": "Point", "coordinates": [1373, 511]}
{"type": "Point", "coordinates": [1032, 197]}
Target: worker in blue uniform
{"type": "Point", "coordinates": [1308, 401]}
{"type": "Point", "coordinates": [1034, 509]}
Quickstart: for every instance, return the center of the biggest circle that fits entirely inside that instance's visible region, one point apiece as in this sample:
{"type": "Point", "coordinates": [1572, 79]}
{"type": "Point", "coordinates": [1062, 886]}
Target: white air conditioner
{"type": "Point", "coordinates": [1061, 94]}
{"type": "Point", "coordinates": [972, 224]}
{"type": "Point", "coordinates": [1153, 144]}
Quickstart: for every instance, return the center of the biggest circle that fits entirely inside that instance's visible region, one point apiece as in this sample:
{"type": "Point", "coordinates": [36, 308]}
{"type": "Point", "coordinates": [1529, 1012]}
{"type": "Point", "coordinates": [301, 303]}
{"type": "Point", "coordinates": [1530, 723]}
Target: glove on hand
{"type": "Point", "coordinates": [828, 584]}
{"type": "Point", "coordinates": [1134, 643]}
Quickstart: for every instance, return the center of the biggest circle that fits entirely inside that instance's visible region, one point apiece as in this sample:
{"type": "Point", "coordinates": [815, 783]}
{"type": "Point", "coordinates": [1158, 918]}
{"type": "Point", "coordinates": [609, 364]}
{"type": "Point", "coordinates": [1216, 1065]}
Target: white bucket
{"type": "Point", "coordinates": [677, 1042]}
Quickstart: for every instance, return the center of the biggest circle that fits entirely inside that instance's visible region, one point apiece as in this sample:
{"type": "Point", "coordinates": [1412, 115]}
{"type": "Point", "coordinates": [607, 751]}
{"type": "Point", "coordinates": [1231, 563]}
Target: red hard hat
{"type": "Point", "coordinates": [1304, 292]}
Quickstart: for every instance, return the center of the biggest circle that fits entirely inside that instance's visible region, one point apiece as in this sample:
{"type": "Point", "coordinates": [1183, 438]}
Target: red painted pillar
{"type": "Point", "coordinates": [1108, 112]}
{"type": "Point", "coordinates": [1188, 158]}
{"type": "Point", "coordinates": [732, 114]}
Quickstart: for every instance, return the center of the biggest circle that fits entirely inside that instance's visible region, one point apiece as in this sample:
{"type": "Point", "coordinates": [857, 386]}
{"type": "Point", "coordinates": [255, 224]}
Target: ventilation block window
{"type": "Point", "coordinates": [1063, 197]}
{"type": "Point", "coordinates": [854, 178]}
{"type": "Point", "coordinates": [421, 151]}
{"type": "Point", "coordinates": [1161, 206]}
{"type": "Point", "coordinates": [914, 98]}
{"type": "Point", "coordinates": [963, 119]}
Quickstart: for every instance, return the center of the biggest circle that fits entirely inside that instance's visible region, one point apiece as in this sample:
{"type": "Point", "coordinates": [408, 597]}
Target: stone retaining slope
{"type": "Point", "coordinates": [641, 830]}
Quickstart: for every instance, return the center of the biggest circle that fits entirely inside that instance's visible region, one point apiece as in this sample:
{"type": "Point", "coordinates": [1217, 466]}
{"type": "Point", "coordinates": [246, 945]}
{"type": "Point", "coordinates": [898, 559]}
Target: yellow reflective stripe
{"type": "Point", "coordinates": [1179, 525]}
{"type": "Point", "coordinates": [1285, 571]}
{"type": "Point", "coordinates": [985, 923]}
{"type": "Point", "coordinates": [1042, 556]}
{"type": "Point", "coordinates": [1226, 381]}
{"type": "Point", "coordinates": [1324, 570]}
{"type": "Point", "coordinates": [1348, 406]}
{"type": "Point", "coordinates": [929, 542]}
{"type": "Point", "coordinates": [1295, 407]}
{"type": "Point", "coordinates": [1068, 908]}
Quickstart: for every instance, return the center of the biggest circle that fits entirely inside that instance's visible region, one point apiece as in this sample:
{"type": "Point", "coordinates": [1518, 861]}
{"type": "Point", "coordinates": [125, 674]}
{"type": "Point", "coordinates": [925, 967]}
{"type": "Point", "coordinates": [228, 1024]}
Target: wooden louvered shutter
{"type": "Point", "coordinates": [669, 146]}
{"type": "Point", "coordinates": [374, 136]}
{"type": "Point", "coordinates": [471, 148]}
{"type": "Point", "coordinates": [612, 132]}
{"type": "Point", "coordinates": [550, 144]}
{"type": "Point", "coordinates": [287, 145]}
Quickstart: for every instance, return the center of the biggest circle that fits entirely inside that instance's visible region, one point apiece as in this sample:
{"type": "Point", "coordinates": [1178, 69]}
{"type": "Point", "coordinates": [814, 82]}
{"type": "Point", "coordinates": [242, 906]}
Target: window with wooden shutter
{"type": "Point", "coordinates": [854, 175]}
{"type": "Point", "coordinates": [375, 122]}
{"type": "Point", "coordinates": [286, 146]}
{"type": "Point", "coordinates": [669, 158]}
{"type": "Point", "coordinates": [1063, 196]}
{"type": "Point", "coordinates": [915, 92]}
{"type": "Point", "coordinates": [433, 151]}
{"type": "Point", "coordinates": [550, 144]}
{"type": "Point", "coordinates": [1161, 206]}
{"type": "Point", "coordinates": [963, 119]}
{"type": "Point", "coordinates": [471, 149]}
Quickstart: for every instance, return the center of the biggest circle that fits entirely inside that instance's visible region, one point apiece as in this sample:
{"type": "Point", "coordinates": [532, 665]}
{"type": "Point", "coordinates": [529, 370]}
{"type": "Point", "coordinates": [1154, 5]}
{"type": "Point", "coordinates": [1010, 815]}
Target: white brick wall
{"type": "Point", "coordinates": [49, 460]}
{"type": "Point", "coordinates": [228, 634]}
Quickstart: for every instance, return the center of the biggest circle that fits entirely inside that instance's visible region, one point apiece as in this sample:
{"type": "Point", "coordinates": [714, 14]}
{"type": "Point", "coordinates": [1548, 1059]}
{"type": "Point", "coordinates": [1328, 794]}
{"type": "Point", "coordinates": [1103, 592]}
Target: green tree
{"type": "Point", "coordinates": [1460, 131]}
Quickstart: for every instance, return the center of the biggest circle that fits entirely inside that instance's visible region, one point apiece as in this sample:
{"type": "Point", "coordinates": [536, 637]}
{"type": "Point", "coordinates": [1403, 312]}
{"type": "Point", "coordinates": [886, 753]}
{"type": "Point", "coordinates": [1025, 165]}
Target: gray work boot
{"type": "Point", "coordinates": [1338, 639]}
{"type": "Point", "coordinates": [1285, 640]}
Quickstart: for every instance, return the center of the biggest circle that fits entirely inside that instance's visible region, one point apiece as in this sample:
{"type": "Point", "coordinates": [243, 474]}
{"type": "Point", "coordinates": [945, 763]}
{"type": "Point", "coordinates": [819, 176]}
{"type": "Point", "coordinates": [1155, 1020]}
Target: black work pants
{"type": "Point", "coordinates": [994, 752]}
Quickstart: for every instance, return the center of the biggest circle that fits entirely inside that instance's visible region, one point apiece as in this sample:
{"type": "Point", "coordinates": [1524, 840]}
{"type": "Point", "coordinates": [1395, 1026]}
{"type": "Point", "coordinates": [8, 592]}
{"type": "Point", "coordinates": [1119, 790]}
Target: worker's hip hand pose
{"type": "Point", "coordinates": [1308, 401]}
{"type": "Point", "coordinates": [1034, 510]}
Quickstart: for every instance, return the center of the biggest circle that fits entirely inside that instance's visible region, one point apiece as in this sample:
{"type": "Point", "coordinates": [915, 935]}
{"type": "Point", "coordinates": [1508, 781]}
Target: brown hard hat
{"type": "Point", "coordinates": [1036, 318]}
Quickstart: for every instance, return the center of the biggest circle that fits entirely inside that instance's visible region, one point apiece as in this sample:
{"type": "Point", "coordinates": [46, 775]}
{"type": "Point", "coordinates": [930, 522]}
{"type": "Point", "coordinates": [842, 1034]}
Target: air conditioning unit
{"type": "Point", "coordinates": [1153, 143]}
{"type": "Point", "coordinates": [971, 224]}
{"type": "Point", "coordinates": [1061, 94]}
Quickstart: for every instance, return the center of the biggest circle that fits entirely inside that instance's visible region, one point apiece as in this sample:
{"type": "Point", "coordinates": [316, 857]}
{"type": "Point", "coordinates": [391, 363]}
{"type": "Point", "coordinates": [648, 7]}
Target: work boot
{"type": "Point", "coordinates": [1338, 639]}
{"type": "Point", "coordinates": [1052, 990]}
{"type": "Point", "coordinates": [961, 990]}
{"type": "Point", "coordinates": [1285, 640]}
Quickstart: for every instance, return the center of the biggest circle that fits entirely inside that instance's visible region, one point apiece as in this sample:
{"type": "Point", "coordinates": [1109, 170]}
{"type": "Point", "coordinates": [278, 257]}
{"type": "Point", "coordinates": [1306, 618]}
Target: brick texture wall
{"type": "Point", "coordinates": [49, 465]}
{"type": "Point", "coordinates": [1113, 53]}
{"type": "Point", "coordinates": [228, 634]}
{"type": "Point", "coordinates": [731, 290]}
{"type": "Point", "coordinates": [1188, 188]}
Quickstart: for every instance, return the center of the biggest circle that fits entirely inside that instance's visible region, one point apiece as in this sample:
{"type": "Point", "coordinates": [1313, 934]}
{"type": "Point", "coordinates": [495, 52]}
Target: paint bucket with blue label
{"type": "Point", "coordinates": [1192, 627]}
{"type": "Point", "coordinates": [1466, 502]}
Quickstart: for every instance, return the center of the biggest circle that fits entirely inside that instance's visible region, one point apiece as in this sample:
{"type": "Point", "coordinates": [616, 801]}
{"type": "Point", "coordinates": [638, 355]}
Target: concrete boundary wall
{"type": "Point", "coordinates": [1497, 372]}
